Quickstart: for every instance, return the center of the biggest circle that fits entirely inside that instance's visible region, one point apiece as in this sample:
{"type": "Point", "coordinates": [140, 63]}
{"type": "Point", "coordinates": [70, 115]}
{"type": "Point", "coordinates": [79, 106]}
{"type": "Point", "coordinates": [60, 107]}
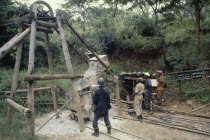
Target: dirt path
{"type": "Point", "coordinates": [64, 128]}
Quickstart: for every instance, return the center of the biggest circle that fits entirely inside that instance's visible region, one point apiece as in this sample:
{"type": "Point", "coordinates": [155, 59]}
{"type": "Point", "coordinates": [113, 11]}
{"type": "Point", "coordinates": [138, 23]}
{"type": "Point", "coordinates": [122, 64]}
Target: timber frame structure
{"type": "Point", "coordinates": [30, 24]}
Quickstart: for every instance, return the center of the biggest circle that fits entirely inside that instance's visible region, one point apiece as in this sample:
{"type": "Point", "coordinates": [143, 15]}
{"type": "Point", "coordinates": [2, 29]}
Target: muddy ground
{"type": "Point", "coordinates": [64, 128]}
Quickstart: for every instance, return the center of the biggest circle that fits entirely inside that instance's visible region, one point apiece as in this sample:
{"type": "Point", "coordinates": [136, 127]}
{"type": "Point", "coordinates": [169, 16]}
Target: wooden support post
{"type": "Point", "coordinates": [180, 90]}
{"type": "Point", "coordinates": [30, 71]}
{"type": "Point", "coordinates": [117, 88]}
{"type": "Point", "coordinates": [95, 55]}
{"type": "Point", "coordinates": [12, 42]}
{"type": "Point", "coordinates": [15, 78]}
{"type": "Point", "coordinates": [70, 70]}
{"type": "Point", "coordinates": [20, 108]}
{"type": "Point", "coordinates": [52, 82]}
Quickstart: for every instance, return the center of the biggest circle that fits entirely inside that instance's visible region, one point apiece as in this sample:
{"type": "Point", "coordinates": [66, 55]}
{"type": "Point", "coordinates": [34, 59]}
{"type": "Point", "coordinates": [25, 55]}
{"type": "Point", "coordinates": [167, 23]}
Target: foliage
{"type": "Point", "coordinates": [198, 90]}
{"type": "Point", "coordinates": [14, 131]}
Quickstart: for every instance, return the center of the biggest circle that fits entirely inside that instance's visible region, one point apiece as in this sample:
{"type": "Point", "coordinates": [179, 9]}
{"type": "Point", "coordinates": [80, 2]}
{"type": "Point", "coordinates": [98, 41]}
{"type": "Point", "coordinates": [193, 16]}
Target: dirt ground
{"type": "Point", "coordinates": [64, 128]}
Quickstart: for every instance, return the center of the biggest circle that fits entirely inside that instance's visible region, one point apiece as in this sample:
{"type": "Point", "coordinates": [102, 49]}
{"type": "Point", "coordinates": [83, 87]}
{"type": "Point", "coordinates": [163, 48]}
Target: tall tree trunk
{"type": "Point", "coordinates": [198, 18]}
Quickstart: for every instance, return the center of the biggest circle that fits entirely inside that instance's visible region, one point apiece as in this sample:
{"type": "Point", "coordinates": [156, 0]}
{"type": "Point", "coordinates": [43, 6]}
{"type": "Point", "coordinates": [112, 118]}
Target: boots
{"type": "Point", "coordinates": [96, 132]}
{"type": "Point", "coordinates": [109, 130]}
{"type": "Point", "coordinates": [139, 117]}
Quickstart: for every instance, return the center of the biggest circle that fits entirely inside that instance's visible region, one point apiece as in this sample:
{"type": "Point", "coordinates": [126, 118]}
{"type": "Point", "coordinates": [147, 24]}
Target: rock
{"type": "Point", "coordinates": [189, 102]}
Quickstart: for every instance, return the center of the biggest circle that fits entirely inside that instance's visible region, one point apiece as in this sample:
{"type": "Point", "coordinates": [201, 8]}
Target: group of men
{"type": "Point", "coordinates": [101, 99]}
{"type": "Point", "coordinates": [144, 86]}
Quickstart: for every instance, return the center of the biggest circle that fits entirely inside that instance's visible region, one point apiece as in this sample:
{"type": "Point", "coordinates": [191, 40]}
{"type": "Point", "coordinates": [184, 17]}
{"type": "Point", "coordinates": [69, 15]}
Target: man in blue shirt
{"type": "Point", "coordinates": [148, 91]}
{"type": "Point", "coordinates": [101, 106]}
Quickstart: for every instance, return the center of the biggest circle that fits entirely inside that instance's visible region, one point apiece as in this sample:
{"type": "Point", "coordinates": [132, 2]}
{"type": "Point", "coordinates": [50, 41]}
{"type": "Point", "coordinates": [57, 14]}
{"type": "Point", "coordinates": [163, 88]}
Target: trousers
{"type": "Point", "coordinates": [138, 104]}
{"type": "Point", "coordinates": [159, 96]}
{"type": "Point", "coordinates": [97, 117]}
{"type": "Point", "coordinates": [147, 98]}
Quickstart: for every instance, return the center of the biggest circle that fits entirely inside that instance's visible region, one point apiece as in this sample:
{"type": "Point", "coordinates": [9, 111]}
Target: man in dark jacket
{"type": "Point", "coordinates": [148, 91]}
{"type": "Point", "coordinates": [101, 106]}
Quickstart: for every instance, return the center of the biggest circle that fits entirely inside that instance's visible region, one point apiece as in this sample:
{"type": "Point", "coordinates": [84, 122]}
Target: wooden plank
{"type": "Point", "coordinates": [208, 69]}
{"type": "Point", "coordinates": [52, 82]}
{"type": "Point", "coordinates": [70, 70]}
{"type": "Point", "coordinates": [200, 107]}
{"type": "Point", "coordinates": [30, 94]}
{"type": "Point", "coordinates": [20, 108]}
{"type": "Point", "coordinates": [117, 88]}
{"type": "Point", "coordinates": [51, 77]}
{"type": "Point", "coordinates": [26, 90]}
{"type": "Point", "coordinates": [14, 41]}
{"type": "Point", "coordinates": [15, 78]}
{"type": "Point", "coordinates": [122, 101]}
{"type": "Point", "coordinates": [40, 29]}
{"type": "Point", "coordinates": [46, 24]}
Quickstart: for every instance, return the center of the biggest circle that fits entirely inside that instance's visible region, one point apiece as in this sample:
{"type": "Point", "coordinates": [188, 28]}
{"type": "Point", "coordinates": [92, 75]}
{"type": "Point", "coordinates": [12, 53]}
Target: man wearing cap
{"type": "Point", "coordinates": [101, 106]}
{"type": "Point", "coordinates": [148, 91]}
{"type": "Point", "coordinates": [160, 86]}
{"type": "Point", "coordinates": [138, 91]}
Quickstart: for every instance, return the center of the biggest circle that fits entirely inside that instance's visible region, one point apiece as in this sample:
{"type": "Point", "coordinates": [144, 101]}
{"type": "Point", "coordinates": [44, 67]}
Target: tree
{"type": "Point", "coordinates": [198, 5]}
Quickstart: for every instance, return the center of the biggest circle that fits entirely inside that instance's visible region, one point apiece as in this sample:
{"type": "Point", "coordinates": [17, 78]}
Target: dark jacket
{"type": "Point", "coordinates": [101, 100]}
{"type": "Point", "coordinates": [148, 84]}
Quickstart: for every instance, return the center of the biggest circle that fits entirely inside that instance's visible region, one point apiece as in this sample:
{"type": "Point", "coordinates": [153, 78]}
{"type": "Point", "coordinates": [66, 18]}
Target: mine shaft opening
{"type": "Point", "coordinates": [130, 80]}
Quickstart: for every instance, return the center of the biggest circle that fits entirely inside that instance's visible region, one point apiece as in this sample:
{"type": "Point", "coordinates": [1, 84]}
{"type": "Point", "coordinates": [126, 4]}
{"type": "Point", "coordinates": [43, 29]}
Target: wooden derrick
{"type": "Point", "coordinates": [70, 70]}
{"type": "Point", "coordinates": [30, 71]}
{"type": "Point", "coordinates": [26, 90]}
{"type": "Point", "coordinates": [20, 108]}
{"type": "Point", "coordinates": [12, 42]}
{"type": "Point", "coordinates": [15, 79]}
{"type": "Point", "coordinates": [52, 82]}
{"type": "Point", "coordinates": [51, 77]}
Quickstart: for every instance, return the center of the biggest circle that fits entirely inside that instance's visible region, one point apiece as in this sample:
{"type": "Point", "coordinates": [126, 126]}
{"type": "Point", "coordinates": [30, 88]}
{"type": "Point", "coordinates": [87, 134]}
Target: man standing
{"type": "Point", "coordinates": [148, 91]}
{"type": "Point", "coordinates": [138, 91]}
{"type": "Point", "coordinates": [160, 86]}
{"type": "Point", "coordinates": [101, 106]}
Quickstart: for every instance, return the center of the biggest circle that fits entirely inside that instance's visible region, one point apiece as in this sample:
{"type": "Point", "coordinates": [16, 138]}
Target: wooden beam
{"type": "Point", "coordinates": [40, 29]}
{"type": "Point", "coordinates": [200, 107]}
{"type": "Point", "coordinates": [15, 78]}
{"type": "Point", "coordinates": [26, 90]}
{"type": "Point", "coordinates": [117, 88]}
{"type": "Point", "coordinates": [46, 24]}
{"type": "Point", "coordinates": [12, 42]}
{"type": "Point", "coordinates": [122, 101]}
{"type": "Point", "coordinates": [70, 70]}
{"type": "Point", "coordinates": [208, 69]}
{"type": "Point", "coordinates": [94, 54]}
{"type": "Point", "coordinates": [20, 108]}
{"type": "Point", "coordinates": [30, 94]}
{"type": "Point", "coordinates": [51, 77]}
{"type": "Point", "coordinates": [76, 51]}
{"type": "Point", "coordinates": [87, 46]}
{"type": "Point", "coordinates": [52, 82]}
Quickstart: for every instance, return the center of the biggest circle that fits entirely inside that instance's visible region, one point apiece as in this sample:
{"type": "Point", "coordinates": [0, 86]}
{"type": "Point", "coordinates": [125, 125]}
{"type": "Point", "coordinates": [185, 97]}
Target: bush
{"type": "Point", "coordinates": [14, 131]}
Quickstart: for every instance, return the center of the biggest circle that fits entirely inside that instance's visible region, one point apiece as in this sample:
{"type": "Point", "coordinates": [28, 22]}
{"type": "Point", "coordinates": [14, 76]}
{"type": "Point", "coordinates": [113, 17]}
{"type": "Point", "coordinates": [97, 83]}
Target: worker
{"type": "Point", "coordinates": [148, 91]}
{"type": "Point", "coordinates": [160, 86]}
{"type": "Point", "coordinates": [101, 106]}
{"type": "Point", "coordinates": [138, 91]}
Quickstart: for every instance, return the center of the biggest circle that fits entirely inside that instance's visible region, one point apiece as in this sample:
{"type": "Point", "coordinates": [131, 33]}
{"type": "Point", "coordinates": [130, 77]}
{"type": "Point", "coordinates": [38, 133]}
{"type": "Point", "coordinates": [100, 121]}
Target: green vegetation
{"type": "Point", "coordinates": [15, 131]}
{"type": "Point", "coordinates": [140, 35]}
